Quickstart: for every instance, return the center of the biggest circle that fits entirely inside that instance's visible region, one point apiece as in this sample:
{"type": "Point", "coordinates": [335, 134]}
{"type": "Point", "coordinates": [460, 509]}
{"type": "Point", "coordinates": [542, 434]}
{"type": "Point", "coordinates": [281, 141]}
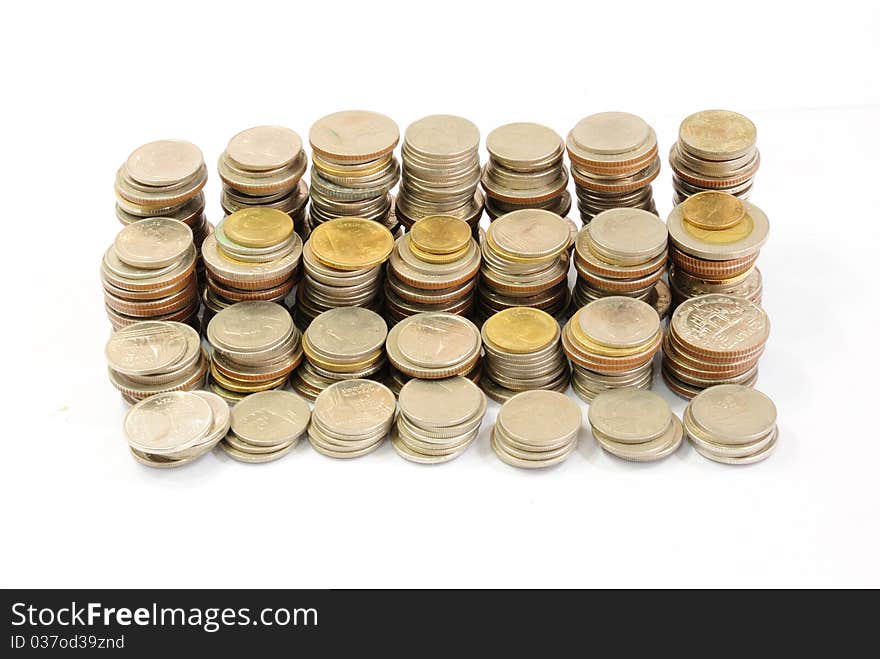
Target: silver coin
{"type": "Point", "coordinates": [270, 418]}
{"type": "Point", "coordinates": [168, 422]}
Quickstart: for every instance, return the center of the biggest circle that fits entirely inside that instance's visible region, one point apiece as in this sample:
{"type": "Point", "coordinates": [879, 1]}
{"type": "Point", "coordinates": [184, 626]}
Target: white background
{"type": "Point", "coordinates": [84, 84]}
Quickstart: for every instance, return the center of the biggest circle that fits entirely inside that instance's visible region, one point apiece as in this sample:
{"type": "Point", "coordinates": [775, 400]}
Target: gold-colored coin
{"type": "Point", "coordinates": [440, 234]}
{"type": "Point", "coordinates": [351, 243]}
{"type": "Point", "coordinates": [713, 211]}
{"type": "Point", "coordinates": [258, 227]}
{"type": "Point", "coordinates": [521, 330]}
{"type": "Point", "coordinates": [588, 345]}
{"type": "Point", "coordinates": [244, 387]}
{"type": "Point", "coordinates": [430, 257]}
{"type": "Point", "coordinates": [372, 167]}
{"type": "Point", "coordinates": [741, 230]}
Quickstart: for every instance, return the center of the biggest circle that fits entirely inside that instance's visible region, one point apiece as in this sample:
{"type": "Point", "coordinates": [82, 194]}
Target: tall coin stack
{"type": "Point", "coordinates": [264, 166]}
{"type": "Point", "coordinates": [525, 170]}
{"type": "Point", "coordinates": [714, 339]}
{"type": "Point", "coordinates": [148, 273]}
{"type": "Point", "coordinates": [342, 262]}
{"type": "Point", "coordinates": [353, 167]}
{"type": "Point", "coordinates": [716, 239]}
{"type": "Point", "coordinates": [522, 352]}
{"type": "Point", "coordinates": [614, 160]}
{"type": "Point", "coordinates": [441, 171]}
{"type": "Point", "coordinates": [611, 343]}
{"type": "Point", "coordinates": [255, 347]}
{"type": "Point", "coordinates": [525, 263]}
{"type": "Point", "coordinates": [715, 151]}
{"type": "Point", "coordinates": [434, 267]}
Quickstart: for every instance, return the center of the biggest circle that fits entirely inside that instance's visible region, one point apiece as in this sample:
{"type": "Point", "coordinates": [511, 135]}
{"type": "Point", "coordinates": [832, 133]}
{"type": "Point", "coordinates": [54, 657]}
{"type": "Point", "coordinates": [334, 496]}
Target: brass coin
{"type": "Point", "coordinates": [351, 243]}
{"type": "Point", "coordinates": [717, 134]}
{"type": "Point", "coordinates": [521, 330]}
{"type": "Point", "coordinates": [258, 227]}
{"type": "Point", "coordinates": [713, 210]}
{"type": "Point", "coordinates": [440, 234]}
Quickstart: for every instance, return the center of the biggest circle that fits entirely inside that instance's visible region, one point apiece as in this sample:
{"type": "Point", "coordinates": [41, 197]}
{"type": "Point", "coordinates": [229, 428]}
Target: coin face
{"type": "Point", "coordinates": [247, 326]}
{"type": "Point", "coordinates": [431, 340]}
{"type": "Point", "coordinates": [443, 136]}
{"type": "Point", "coordinates": [629, 232]}
{"type": "Point", "coordinates": [630, 415]}
{"type": "Point", "coordinates": [529, 233]}
{"type": "Point", "coordinates": [717, 323]}
{"type": "Point", "coordinates": [718, 134]}
{"type": "Point", "coordinates": [351, 243]}
{"type": "Point", "coordinates": [523, 143]}
{"type": "Point", "coordinates": [719, 244]}
{"type": "Point", "coordinates": [733, 413]}
{"type": "Point", "coordinates": [354, 135]}
{"type": "Point", "coordinates": [222, 415]}
{"type": "Point", "coordinates": [610, 133]}
{"type": "Point", "coordinates": [441, 234]}
{"type": "Point", "coordinates": [264, 148]}
{"type": "Point", "coordinates": [440, 403]}
{"type": "Point", "coordinates": [269, 418]}
{"type": "Point", "coordinates": [164, 162]}
{"type": "Point", "coordinates": [712, 210]}
{"type": "Point", "coordinates": [540, 418]}
{"type": "Point", "coordinates": [355, 407]}
{"type": "Point", "coordinates": [258, 227]}
{"type": "Point", "coordinates": [521, 330]}
{"type": "Point", "coordinates": [347, 332]}
{"type": "Point", "coordinates": [145, 347]}
{"type": "Point", "coordinates": [154, 242]}
{"type": "Point", "coordinates": [168, 422]}
{"type": "Point", "coordinates": [619, 322]}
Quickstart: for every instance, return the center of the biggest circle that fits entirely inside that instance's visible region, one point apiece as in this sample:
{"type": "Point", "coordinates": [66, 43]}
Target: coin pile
{"type": "Point", "coordinates": [441, 171]}
{"type": "Point", "coordinates": [525, 170]}
{"type": "Point", "coordinates": [716, 239]}
{"type": "Point", "coordinates": [525, 263]}
{"type": "Point", "coordinates": [434, 345]}
{"type": "Point", "coordinates": [341, 344]}
{"type": "Point", "coordinates": [714, 339]}
{"type": "Point", "coordinates": [536, 429]}
{"type": "Point", "coordinates": [614, 160]}
{"type": "Point", "coordinates": [715, 151]}
{"type": "Point", "coordinates": [732, 424]}
{"type": "Point", "coordinates": [266, 426]}
{"type": "Point", "coordinates": [255, 347]}
{"type": "Point", "coordinates": [151, 357]}
{"type": "Point", "coordinates": [351, 418]}
{"type": "Point", "coordinates": [353, 167]}
{"type": "Point", "coordinates": [433, 267]}
{"type": "Point", "coordinates": [438, 419]}
{"type": "Point", "coordinates": [174, 428]}
{"type": "Point", "coordinates": [264, 166]}
{"type": "Point", "coordinates": [635, 425]}
{"type": "Point", "coordinates": [149, 273]}
{"type": "Point", "coordinates": [611, 343]}
{"type": "Point", "coordinates": [342, 261]}
{"type": "Point", "coordinates": [523, 352]}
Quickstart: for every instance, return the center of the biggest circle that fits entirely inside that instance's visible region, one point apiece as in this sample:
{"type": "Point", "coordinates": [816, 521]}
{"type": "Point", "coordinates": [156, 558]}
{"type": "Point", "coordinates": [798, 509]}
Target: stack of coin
{"type": "Point", "coordinates": [255, 347]}
{"type": "Point", "coordinates": [715, 240]}
{"type": "Point", "coordinates": [266, 426]}
{"type": "Point", "coordinates": [525, 170]}
{"type": "Point", "coordinates": [152, 357]}
{"type": "Point", "coordinates": [715, 151]}
{"type": "Point", "coordinates": [441, 171]}
{"type": "Point", "coordinates": [635, 425]}
{"type": "Point", "coordinates": [343, 267]}
{"type": "Point", "coordinates": [434, 267]}
{"type": "Point", "coordinates": [253, 255]}
{"type": "Point", "coordinates": [714, 339]}
{"type": "Point", "coordinates": [264, 166]}
{"type": "Point", "coordinates": [434, 345]}
{"type": "Point", "coordinates": [174, 428]}
{"type": "Point", "coordinates": [614, 159]}
{"type": "Point", "coordinates": [353, 167]}
{"type": "Point", "coordinates": [732, 424]}
{"type": "Point", "coordinates": [536, 429]}
{"type": "Point", "coordinates": [525, 263]}
{"type": "Point", "coordinates": [149, 273]}
{"type": "Point", "coordinates": [611, 343]}
{"type": "Point", "coordinates": [523, 352]}
{"type": "Point", "coordinates": [341, 344]}
{"type": "Point", "coordinates": [622, 252]}
{"type": "Point", "coordinates": [438, 419]}
{"type": "Point", "coordinates": [351, 418]}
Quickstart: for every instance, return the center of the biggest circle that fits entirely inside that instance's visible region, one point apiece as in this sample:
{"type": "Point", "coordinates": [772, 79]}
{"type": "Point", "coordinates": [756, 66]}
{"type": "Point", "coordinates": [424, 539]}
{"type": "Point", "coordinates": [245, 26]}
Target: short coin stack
{"type": "Point", "coordinates": [266, 426]}
{"type": "Point", "coordinates": [635, 425]}
{"type": "Point", "coordinates": [341, 344]}
{"type": "Point", "coordinates": [438, 419]}
{"type": "Point", "coordinates": [174, 428]}
{"type": "Point", "coordinates": [715, 151]}
{"type": "Point", "coordinates": [441, 171]}
{"type": "Point", "coordinates": [255, 347]}
{"type": "Point", "coordinates": [149, 273]}
{"type": "Point", "coordinates": [714, 339]}
{"type": "Point", "coordinates": [614, 160]}
{"type": "Point", "coordinates": [434, 345]}
{"type": "Point", "coordinates": [716, 239]}
{"type": "Point", "coordinates": [536, 429]}
{"type": "Point", "coordinates": [525, 170]}
{"type": "Point", "coordinates": [151, 357]}
{"type": "Point", "coordinates": [353, 167]}
{"type": "Point", "coordinates": [523, 352]}
{"type": "Point", "coordinates": [434, 267]}
{"type": "Point", "coordinates": [732, 424]}
{"type": "Point", "coordinates": [264, 166]}
{"type": "Point", "coordinates": [611, 343]}
{"type": "Point", "coordinates": [342, 261]}
{"type": "Point", "coordinates": [525, 263]}
{"type": "Point", "coordinates": [351, 418]}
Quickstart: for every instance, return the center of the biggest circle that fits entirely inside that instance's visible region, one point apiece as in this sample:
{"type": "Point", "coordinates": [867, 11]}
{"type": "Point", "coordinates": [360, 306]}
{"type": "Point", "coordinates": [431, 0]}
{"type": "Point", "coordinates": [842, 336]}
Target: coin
{"type": "Point", "coordinates": [258, 227]}
{"type": "Point", "coordinates": [351, 243]}
{"type": "Point", "coordinates": [168, 422]}
{"type": "Point", "coordinates": [145, 348]}
{"type": "Point", "coordinates": [351, 418]}
{"type": "Point", "coordinates": [647, 451]}
{"type": "Point", "coordinates": [536, 429]}
{"type": "Point", "coordinates": [153, 243]}
{"type": "Point", "coordinates": [270, 418]}
{"type": "Point", "coordinates": [164, 162]}
{"type": "Point", "coordinates": [630, 416]}
{"type": "Point", "coordinates": [434, 345]}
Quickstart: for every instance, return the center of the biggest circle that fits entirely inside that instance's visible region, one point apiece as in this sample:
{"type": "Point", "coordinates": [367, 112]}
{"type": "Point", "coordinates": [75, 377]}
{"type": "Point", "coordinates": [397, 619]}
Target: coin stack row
{"type": "Point", "coordinates": [614, 160]}
{"type": "Point", "coordinates": [635, 425]}
{"type": "Point", "coordinates": [441, 171]}
{"type": "Point", "coordinates": [266, 426]}
{"type": "Point", "coordinates": [611, 343]}
{"type": "Point", "coordinates": [714, 339]}
{"type": "Point", "coordinates": [433, 267]}
{"type": "Point", "coordinates": [434, 345]}
{"type": "Point", "coordinates": [351, 418]}
{"type": "Point", "coordinates": [264, 166]}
